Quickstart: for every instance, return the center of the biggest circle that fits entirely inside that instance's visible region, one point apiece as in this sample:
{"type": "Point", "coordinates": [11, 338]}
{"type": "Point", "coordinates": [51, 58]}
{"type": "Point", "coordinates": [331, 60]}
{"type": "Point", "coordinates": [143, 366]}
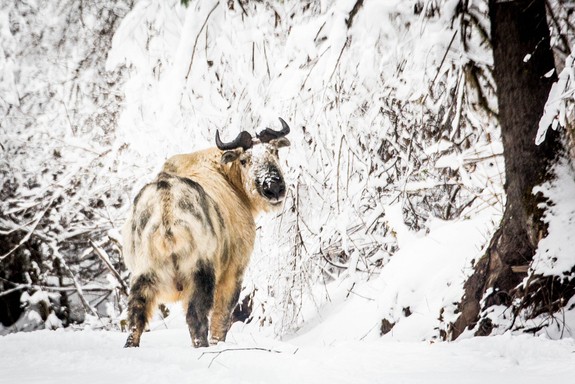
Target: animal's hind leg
{"type": "Point", "coordinates": [200, 303]}
{"type": "Point", "coordinates": [140, 307]}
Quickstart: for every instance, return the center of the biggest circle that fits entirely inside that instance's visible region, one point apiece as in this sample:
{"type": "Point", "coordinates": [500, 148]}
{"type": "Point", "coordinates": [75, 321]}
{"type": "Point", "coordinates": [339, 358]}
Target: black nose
{"type": "Point", "coordinates": [274, 188]}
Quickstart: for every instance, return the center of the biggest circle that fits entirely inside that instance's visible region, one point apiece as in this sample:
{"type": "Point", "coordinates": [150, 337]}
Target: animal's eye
{"type": "Point", "coordinates": [243, 161]}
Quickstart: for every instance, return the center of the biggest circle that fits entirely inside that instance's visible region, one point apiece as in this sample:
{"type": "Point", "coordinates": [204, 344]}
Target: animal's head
{"type": "Point", "coordinates": [258, 164]}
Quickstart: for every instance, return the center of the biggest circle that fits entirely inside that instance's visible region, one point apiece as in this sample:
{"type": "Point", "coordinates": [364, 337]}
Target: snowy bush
{"type": "Point", "coordinates": [59, 174]}
{"type": "Point", "coordinates": [389, 103]}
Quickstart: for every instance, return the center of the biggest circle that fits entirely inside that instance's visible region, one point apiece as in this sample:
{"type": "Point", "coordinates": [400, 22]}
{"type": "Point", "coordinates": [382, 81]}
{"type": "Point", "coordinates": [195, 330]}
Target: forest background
{"type": "Point", "coordinates": [395, 220]}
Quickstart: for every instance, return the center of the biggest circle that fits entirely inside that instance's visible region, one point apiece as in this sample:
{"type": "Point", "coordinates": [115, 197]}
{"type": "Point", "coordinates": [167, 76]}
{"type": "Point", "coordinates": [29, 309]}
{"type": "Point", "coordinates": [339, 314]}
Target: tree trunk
{"type": "Point", "coordinates": [522, 57]}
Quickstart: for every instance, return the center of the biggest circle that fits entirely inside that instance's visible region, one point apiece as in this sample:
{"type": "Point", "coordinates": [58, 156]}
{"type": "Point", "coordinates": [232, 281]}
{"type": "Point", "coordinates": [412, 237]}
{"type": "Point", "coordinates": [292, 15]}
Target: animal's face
{"type": "Point", "coordinates": [260, 170]}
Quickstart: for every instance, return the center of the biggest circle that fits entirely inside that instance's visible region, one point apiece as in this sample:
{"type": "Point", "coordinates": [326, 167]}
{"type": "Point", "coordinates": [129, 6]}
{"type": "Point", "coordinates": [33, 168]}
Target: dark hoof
{"type": "Point", "coordinates": [130, 343]}
{"type": "Point", "coordinates": [200, 343]}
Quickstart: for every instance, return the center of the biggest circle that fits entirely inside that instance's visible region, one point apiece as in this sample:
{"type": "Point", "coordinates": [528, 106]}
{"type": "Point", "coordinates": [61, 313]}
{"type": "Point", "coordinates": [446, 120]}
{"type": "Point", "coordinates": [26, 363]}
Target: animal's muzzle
{"type": "Point", "coordinates": [273, 188]}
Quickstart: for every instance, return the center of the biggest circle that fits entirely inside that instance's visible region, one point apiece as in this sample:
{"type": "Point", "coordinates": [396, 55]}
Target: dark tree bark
{"type": "Point", "coordinates": [521, 56]}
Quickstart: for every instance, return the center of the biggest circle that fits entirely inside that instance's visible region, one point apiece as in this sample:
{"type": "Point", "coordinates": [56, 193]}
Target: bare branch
{"type": "Point", "coordinates": [196, 40]}
{"type": "Point", "coordinates": [106, 259]}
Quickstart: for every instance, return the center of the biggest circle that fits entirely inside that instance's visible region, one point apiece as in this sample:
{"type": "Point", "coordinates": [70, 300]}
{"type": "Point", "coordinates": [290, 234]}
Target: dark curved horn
{"type": "Point", "coordinates": [244, 140]}
{"type": "Point", "coordinates": [269, 134]}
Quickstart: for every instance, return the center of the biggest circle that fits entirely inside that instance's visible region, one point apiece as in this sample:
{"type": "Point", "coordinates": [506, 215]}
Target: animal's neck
{"type": "Point", "coordinates": [234, 175]}
{"type": "Point", "coordinates": [191, 165]}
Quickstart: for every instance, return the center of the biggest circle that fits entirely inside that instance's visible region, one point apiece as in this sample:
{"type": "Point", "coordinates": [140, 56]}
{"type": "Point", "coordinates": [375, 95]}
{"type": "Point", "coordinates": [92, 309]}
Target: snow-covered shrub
{"type": "Point", "coordinates": [389, 104]}
{"type": "Point", "coordinates": [368, 89]}
{"type": "Point", "coordinates": [60, 186]}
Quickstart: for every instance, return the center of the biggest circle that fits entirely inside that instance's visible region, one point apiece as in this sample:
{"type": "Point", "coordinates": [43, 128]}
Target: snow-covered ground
{"type": "Point", "coordinates": [339, 343]}
{"type": "Point", "coordinates": [166, 357]}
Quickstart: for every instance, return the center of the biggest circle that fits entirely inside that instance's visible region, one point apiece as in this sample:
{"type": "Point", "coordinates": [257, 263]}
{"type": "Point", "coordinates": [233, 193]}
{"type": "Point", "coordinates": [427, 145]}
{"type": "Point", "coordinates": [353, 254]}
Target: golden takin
{"type": "Point", "coordinates": [191, 231]}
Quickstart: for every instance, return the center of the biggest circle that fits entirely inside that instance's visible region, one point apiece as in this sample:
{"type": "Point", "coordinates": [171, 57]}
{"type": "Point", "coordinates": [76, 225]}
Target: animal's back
{"type": "Point", "coordinates": [222, 186]}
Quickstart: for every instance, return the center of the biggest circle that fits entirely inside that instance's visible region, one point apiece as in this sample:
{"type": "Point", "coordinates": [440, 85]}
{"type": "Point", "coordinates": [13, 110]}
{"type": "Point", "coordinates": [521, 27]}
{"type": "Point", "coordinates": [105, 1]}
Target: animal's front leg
{"type": "Point", "coordinates": [227, 295]}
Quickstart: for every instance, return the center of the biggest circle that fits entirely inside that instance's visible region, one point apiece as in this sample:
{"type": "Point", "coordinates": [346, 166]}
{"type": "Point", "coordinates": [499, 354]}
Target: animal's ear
{"type": "Point", "coordinates": [281, 142]}
{"type": "Point", "coordinates": [231, 155]}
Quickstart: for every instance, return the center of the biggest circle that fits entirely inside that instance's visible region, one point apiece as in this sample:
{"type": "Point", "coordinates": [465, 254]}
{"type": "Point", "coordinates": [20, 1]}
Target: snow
{"type": "Point", "coordinates": [419, 284]}
{"type": "Point", "coordinates": [379, 113]}
{"type": "Point", "coordinates": [64, 357]}
{"type": "Point", "coordinates": [555, 107]}
{"type": "Point", "coordinates": [339, 341]}
{"type": "Point", "coordinates": [553, 256]}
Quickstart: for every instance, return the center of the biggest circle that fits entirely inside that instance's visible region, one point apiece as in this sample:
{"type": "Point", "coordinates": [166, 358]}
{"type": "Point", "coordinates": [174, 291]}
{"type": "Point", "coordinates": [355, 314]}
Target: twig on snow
{"type": "Point", "coordinates": [218, 353]}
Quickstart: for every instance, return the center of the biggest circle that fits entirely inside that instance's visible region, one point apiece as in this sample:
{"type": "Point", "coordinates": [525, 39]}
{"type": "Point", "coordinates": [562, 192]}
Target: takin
{"type": "Point", "coordinates": [191, 231]}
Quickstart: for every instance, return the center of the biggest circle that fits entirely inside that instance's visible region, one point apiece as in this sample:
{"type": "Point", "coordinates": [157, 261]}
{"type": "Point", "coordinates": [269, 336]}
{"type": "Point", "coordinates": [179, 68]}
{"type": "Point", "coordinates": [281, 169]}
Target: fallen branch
{"type": "Point", "coordinates": [218, 353]}
{"type": "Point", "coordinates": [19, 287]}
{"type": "Point", "coordinates": [15, 289]}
